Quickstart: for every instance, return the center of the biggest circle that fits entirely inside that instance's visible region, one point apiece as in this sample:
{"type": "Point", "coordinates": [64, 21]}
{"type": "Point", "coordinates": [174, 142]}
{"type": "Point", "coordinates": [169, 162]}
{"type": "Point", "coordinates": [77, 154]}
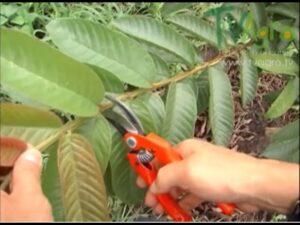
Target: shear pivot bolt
{"type": "Point", "coordinates": [131, 142]}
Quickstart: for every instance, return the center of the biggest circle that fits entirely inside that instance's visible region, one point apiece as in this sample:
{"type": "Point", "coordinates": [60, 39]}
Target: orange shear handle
{"type": "Point", "coordinates": [165, 154]}
{"type": "Point", "coordinates": [167, 202]}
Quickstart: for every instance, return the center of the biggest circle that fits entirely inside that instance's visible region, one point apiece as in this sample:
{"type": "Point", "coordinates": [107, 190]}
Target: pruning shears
{"type": "Point", "coordinates": [144, 149]}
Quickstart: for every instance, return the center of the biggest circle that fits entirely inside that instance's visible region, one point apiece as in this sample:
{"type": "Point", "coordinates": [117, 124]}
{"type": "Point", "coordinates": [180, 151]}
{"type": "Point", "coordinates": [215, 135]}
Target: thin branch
{"type": "Point", "coordinates": [179, 76]}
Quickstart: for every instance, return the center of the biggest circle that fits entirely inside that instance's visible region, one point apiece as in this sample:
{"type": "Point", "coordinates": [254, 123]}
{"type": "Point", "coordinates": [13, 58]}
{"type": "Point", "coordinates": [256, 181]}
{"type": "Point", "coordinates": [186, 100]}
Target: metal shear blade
{"type": "Point", "coordinates": [121, 117]}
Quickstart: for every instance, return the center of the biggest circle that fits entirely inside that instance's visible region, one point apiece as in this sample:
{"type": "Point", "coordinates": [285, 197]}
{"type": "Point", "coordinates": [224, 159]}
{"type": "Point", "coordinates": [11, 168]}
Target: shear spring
{"type": "Point", "coordinates": [144, 156]}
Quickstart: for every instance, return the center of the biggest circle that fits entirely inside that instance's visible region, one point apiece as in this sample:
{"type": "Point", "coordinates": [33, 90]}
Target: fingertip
{"type": "Point", "coordinates": [150, 200]}
{"type": "Point", "coordinates": [140, 182]}
{"type": "Point", "coordinates": [154, 188]}
{"type": "Point", "coordinates": [168, 177]}
{"type": "Point", "coordinates": [32, 155]}
{"type": "Point", "coordinates": [27, 171]}
{"type": "Point", "coordinates": [158, 210]}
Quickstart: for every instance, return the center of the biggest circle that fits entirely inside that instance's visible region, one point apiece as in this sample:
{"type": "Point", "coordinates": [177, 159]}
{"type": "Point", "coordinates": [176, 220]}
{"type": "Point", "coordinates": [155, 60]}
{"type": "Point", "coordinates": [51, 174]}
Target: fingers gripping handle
{"type": "Point", "coordinates": [167, 154]}
{"type": "Point", "coordinates": [167, 202]}
{"type": "Point", "coordinates": [172, 208]}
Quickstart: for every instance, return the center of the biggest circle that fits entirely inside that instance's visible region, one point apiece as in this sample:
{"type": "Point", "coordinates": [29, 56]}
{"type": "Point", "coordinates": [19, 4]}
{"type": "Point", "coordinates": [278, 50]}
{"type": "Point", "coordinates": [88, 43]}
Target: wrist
{"type": "Point", "coordinates": [274, 185]}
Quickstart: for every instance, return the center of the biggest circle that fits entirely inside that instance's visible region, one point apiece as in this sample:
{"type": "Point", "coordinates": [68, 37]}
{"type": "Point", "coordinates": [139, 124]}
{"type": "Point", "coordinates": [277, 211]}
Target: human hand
{"type": "Point", "coordinates": [26, 202]}
{"type": "Point", "coordinates": [207, 173]}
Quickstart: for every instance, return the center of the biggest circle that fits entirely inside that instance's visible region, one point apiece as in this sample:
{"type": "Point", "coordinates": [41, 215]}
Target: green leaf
{"type": "Point", "coordinates": [150, 109]}
{"type": "Point", "coordinates": [3, 20]}
{"type": "Point", "coordinates": [271, 96]}
{"type": "Point", "coordinates": [83, 189]}
{"type": "Point", "coordinates": [19, 97]}
{"type": "Point", "coordinates": [284, 145]}
{"type": "Point", "coordinates": [282, 25]}
{"type": "Point", "coordinates": [32, 135]}
{"type": "Point", "coordinates": [108, 181]}
{"type": "Point", "coordinates": [123, 176]}
{"type": "Point", "coordinates": [249, 78]}
{"type": "Point", "coordinates": [221, 114]}
{"type": "Point", "coordinates": [51, 185]}
{"type": "Point", "coordinates": [203, 92]}
{"type": "Point", "coordinates": [158, 37]}
{"type": "Point", "coordinates": [8, 10]}
{"type": "Point", "coordinates": [29, 124]}
{"type": "Point", "coordinates": [156, 109]}
{"type": "Point", "coordinates": [170, 8]}
{"type": "Point", "coordinates": [181, 113]}
{"type": "Point", "coordinates": [199, 28]}
{"type": "Point", "coordinates": [285, 100]}
{"type": "Point", "coordinates": [162, 69]}
{"type": "Point", "coordinates": [111, 83]}
{"type": "Point", "coordinates": [18, 20]}
{"type": "Point", "coordinates": [288, 9]}
{"type": "Point", "coordinates": [98, 132]}
{"type": "Point", "coordinates": [260, 15]}
{"type": "Point", "coordinates": [100, 46]}
{"type": "Point", "coordinates": [33, 74]}
{"type": "Point", "coordinates": [139, 107]}
{"type": "Point", "coordinates": [276, 63]}
{"type": "Point", "coordinates": [296, 37]}
{"type": "Point", "coordinates": [21, 115]}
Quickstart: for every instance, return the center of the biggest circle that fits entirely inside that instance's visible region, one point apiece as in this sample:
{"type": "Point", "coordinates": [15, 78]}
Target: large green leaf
{"type": "Point", "coordinates": [110, 82]}
{"type": "Point", "coordinates": [260, 15]}
{"type": "Point", "coordinates": [162, 69]}
{"type": "Point", "coordinates": [108, 181]}
{"type": "Point", "coordinates": [284, 145]}
{"type": "Point", "coordinates": [249, 78]}
{"type": "Point", "coordinates": [51, 185]}
{"type": "Point", "coordinates": [160, 38]}
{"type": "Point", "coordinates": [150, 110]}
{"type": "Point", "coordinates": [276, 63]}
{"type": "Point", "coordinates": [83, 189]}
{"type": "Point", "coordinates": [156, 109]}
{"type": "Point", "coordinates": [123, 176]}
{"type": "Point", "coordinates": [202, 91]}
{"type": "Point", "coordinates": [171, 7]}
{"type": "Point", "coordinates": [288, 9]}
{"type": "Point", "coordinates": [31, 135]}
{"type": "Point", "coordinates": [181, 113]}
{"type": "Point", "coordinates": [139, 107]}
{"type": "Point", "coordinates": [43, 74]}
{"type": "Point", "coordinates": [199, 28]}
{"type": "Point", "coordinates": [285, 100]}
{"type": "Point", "coordinates": [100, 46]}
{"type": "Point", "coordinates": [221, 113]}
{"type": "Point", "coordinates": [29, 124]}
{"type": "Point", "coordinates": [27, 116]}
{"type": "Point", "coordinates": [296, 33]}
{"type": "Point", "coordinates": [98, 132]}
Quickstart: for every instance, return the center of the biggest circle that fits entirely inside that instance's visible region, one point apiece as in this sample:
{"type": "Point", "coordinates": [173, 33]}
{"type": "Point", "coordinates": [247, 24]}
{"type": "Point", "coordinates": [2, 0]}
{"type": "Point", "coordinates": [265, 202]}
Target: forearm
{"type": "Point", "coordinates": [275, 186]}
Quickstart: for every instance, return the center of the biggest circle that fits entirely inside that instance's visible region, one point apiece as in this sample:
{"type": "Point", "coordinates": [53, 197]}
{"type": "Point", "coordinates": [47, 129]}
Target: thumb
{"type": "Point", "coordinates": [27, 171]}
{"type": "Point", "coordinates": [168, 177]}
